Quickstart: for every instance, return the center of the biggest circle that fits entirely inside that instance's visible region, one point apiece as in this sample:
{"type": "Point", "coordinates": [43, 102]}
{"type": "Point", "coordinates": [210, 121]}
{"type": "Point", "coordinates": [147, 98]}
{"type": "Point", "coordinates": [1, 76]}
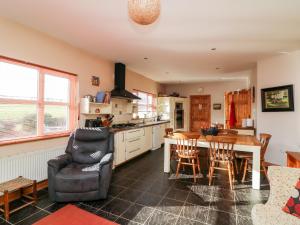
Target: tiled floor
{"type": "Point", "coordinates": [142, 194]}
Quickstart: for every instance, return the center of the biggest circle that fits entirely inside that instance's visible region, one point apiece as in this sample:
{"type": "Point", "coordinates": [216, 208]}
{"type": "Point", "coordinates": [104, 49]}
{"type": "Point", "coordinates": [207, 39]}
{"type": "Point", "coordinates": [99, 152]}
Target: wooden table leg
{"type": "Point", "coordinates": [6, 205]}
{"type": "Point", "coordinates": [34, 192]}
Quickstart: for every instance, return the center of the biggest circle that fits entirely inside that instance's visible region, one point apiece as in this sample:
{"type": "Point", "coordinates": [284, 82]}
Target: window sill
{"type": "Point", "coordinates": [33, 139]}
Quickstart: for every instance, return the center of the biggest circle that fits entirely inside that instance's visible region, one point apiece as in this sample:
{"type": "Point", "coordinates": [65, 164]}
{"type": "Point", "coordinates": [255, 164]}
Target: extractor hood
{"type": "Point", "coordinates": [119, 91]}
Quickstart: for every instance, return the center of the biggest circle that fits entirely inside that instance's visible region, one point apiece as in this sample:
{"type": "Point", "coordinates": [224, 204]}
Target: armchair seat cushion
{"type": "Point", "coordinates": [72, 179]}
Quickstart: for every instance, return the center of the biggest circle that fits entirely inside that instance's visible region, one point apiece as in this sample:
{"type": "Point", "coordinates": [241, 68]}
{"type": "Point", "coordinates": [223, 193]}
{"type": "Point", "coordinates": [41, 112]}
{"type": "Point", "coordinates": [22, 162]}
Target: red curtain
{"type": "Point", "coordinates": [232, 117]}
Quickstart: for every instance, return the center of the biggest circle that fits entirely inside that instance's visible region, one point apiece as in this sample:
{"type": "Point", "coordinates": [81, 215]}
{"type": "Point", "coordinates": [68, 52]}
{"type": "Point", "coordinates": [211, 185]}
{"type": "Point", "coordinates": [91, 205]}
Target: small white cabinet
{"type": "Point", "coordinates": [120, 154]}
{"type": "Point", "coordinates": [148, 139]}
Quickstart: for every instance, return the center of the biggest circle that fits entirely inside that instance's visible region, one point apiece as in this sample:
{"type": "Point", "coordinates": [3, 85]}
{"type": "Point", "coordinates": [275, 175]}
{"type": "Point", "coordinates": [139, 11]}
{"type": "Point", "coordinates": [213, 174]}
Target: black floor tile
{"type": "Point", "coordinates": [159, 199]}
{"type": "Point", "coordinates": [161, 218]}
{"type": "Point", "coordinates": [241, 220]}
{"type": "Point", "coordinates": [195, 212]}
{"type": "Point", "coordinates": [44, 201]}
{"type": "Point", "coordinates": [34, 218]}
{"type": "Point", "coordinates": [130, 195]}
{"type": "Point", "coordinates": [170, 206]}
{"type": "Point", "coordinates": [124, 182]}
{"type": "Point", "coordinates": [117, 206]}
{"type": "Point", "coordinates": [23, 214]}
{"type": "Point", "coordinates": [176, 194]}
{"type": "Point", "coordinates": [107, 215]}
{"type": "Point", "coordinates": [149, 199]}
{"type": "Point", "coordinates": [54, 207]}
{"type": "Point", "coordinates": [221, 218]}
{"type": "Point", "coordinates": [223, 205]}
{"type": "Point", "coordinates": [3, 222]}
{"type": "Point", "coordinates": [115, 190]}
{"type": "Point", "coordinates": [199, 199]}
{"type": "Point", "coordinates": [184, 221]}
{"type": "Point", "coordinates": [99, 203]}
{"type": "Point", "coordinates": [137, 213]}
{"type": "Point", "coordinates": [123, 221]}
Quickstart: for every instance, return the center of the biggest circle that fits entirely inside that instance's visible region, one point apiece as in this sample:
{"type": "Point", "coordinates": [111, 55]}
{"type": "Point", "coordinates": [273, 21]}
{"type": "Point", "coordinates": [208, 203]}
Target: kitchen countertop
{"type": "Point", "coordinates": [141, 125]}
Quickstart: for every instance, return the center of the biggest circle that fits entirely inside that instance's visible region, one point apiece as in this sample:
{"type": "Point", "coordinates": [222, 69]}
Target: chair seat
{"type": "Point", "coordinates": [72, 179]}
{"type": "Point", "coordinates": [220, 158]}
{"type": "Point", "coordinates": [188, 153]}
{"type": "Point", "coordinates": [243, 155]}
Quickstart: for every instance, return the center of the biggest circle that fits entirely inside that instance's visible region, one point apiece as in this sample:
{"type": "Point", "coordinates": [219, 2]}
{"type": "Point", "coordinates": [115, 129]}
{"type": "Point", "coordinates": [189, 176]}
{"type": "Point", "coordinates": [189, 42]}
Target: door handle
{"type": "Point", "coordinates": [134, 150]}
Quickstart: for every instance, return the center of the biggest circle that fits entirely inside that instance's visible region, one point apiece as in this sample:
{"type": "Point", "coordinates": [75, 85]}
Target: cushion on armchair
{"type": "Point", "coordinates": [72, 178]}
{"type": "Point", "coordinates": [89, 145]}
{"type": "Point", "coordinates": [293, 204]}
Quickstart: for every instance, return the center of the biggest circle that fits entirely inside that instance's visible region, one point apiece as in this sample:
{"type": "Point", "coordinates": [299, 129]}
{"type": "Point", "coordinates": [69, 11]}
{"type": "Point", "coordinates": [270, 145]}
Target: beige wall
{"type": "Point", "coordinates": [215, 89]}
{"type": "Point", "coordinates": [136, 81]}
{"type": "Point", "coordinates": [26, 44]}
{"type": "Point", "coordinates": [284, 126]}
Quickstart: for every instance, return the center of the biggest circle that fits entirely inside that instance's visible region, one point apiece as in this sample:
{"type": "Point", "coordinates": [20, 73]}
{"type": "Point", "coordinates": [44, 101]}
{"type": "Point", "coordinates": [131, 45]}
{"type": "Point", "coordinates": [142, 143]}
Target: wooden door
{"type": "Point", "coordinates": [200, 114]}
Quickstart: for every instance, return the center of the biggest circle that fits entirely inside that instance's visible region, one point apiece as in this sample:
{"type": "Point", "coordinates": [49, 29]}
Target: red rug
{"type": "Point", "coordinates": [72, 215]}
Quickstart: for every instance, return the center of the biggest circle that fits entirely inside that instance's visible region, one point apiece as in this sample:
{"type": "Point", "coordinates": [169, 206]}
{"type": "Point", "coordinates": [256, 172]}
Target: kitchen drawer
{"type": "Point", "coordinates": [132, 134]}
{"type": "Point", "coordinates": [130, 153]}
{"type": "Point", "coordinates": [133, 148]}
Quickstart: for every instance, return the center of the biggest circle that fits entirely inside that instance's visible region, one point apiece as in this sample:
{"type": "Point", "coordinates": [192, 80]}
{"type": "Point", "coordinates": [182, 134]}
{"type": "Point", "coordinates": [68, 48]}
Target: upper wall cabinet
{"type": "Point", "coordinates": [243, 105]}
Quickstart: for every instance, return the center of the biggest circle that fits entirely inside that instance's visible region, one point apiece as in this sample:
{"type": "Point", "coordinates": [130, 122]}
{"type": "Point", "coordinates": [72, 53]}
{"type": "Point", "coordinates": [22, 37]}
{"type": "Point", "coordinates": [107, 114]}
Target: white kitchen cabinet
{"type": "Point", "coordinates": [131, 143]}
{"type": "Point", "coordinates": [166, 108]}
{"type": "Point", "coordinates": [147, 139]}
{"type": "Point", "coordinates": [120, 153]}
{"type": "Point", "coordinates": [162, 128]}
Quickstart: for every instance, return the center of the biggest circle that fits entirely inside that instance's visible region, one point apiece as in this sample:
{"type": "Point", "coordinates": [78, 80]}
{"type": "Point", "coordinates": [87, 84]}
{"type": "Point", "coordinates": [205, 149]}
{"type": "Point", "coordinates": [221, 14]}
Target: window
{"type": "Point", "coordinates": [146, 107]}
{"type": "Point", "coordinates": [35, 101]}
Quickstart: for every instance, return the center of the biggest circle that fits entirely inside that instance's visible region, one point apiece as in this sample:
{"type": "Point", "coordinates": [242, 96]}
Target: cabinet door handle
{"type": "Point", "coordinates": [133, 131]}
{"type": "Point", "coordinates": [134, 150]}
{"type": "Point", "coordinates": [134, 140]}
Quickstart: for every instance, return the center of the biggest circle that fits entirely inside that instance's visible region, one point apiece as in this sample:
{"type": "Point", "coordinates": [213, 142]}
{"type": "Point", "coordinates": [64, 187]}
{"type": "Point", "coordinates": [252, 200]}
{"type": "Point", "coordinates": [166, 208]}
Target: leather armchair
{"type": "Point", "coordinates": [84, 172]}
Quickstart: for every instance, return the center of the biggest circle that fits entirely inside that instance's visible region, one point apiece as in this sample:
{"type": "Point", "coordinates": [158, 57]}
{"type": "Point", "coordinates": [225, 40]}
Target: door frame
{"type": "Point", "coordinates": [191, 96]}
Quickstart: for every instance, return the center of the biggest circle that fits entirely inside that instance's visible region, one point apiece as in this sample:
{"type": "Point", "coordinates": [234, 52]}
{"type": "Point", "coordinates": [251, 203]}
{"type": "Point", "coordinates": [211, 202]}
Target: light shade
{"type": "Point", "coordinates": [144, 12]}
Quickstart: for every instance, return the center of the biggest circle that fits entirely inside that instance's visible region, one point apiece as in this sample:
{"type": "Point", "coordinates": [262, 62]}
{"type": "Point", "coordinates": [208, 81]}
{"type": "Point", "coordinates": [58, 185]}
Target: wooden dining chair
{"type": "Point", "coordinates": [221, 151]}
{"type": "Point", "coordinates": [187, 152]}
{"type": "Point", "coordinates": [247, 158]}
{"type": "Point", "coordinates": [169, 133]}
{"type": "Point", "coordinates": [228, 132]}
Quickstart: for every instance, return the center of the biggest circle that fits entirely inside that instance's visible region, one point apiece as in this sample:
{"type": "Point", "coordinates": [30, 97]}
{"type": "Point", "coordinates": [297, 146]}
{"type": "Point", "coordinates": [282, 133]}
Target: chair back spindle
{"type": "Point", "coordinates": [221, 148]}
{"type": "Point", "coordinates": [186, 144]}
{"type": "Point", "coordinates": [264, 140]}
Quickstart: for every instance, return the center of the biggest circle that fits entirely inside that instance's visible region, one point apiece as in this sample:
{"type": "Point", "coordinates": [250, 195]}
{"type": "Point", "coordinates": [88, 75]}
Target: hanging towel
{"type": "Point", "coordinates": [232, 118]}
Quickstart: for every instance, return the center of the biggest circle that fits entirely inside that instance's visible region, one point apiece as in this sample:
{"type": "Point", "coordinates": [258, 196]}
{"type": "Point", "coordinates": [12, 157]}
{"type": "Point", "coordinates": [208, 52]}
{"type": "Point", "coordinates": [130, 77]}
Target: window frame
{"type": "Point", "coordinates": [40, 103]}
{"type": "Point", "coordinates": [152, 105]}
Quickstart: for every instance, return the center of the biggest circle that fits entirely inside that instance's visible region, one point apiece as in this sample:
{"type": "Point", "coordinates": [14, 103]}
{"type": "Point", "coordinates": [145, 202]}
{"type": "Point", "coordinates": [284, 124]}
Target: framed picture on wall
{"type": "Point", "coordinates": [95, 81]}
{"type": "Point", "coordinates": [278, 99]}
{"type": "Point", "coordinates": [217, 106]}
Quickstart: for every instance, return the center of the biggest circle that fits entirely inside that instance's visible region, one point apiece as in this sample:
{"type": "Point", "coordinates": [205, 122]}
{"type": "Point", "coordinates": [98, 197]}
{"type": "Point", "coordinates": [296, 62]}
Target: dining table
{"type": "Point", "coordinates": [243, 143]}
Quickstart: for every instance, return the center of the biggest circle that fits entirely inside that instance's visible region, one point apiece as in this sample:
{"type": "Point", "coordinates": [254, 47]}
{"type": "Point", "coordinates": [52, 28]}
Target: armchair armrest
{"type": "Point", "coordinates": [60, 162]}
{"type": "Point", "coordinates": [107, 158]}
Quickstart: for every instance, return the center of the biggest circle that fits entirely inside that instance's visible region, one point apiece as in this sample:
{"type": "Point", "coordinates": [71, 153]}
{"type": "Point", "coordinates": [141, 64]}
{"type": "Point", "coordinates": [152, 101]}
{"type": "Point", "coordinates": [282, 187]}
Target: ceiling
{"type": "Point", "coordinates": [178, 46]}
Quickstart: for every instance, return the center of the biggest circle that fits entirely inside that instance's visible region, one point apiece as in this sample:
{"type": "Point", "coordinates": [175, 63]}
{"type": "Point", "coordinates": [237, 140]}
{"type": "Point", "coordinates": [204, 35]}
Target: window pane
{"type": "Point", "coordinates": [18, 82]}
{"type": "Point", "coordinates": [57, 89]}
{"type": "Point", "coordinates": [150, 99]}
{"type": "Point", "coordinates": [56, 118]}
{"type": "Point", "coordinates": [143, 97]}
{"type": "Point", "coordinates": [17, 121]}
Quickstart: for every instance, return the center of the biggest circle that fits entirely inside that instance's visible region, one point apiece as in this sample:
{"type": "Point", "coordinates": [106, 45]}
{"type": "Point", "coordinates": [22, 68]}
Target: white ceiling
{"type": "Point", "coordinates": [179, 44]}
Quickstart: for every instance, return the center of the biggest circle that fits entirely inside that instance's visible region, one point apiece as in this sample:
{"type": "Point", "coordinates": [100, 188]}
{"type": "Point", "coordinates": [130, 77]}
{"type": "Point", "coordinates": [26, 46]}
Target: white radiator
{"type": "Point", "coordinates": [31, 165]}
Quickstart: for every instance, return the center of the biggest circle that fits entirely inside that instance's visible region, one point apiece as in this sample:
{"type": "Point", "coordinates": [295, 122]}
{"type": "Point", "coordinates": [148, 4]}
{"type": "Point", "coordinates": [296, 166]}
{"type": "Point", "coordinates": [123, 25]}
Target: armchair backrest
{"type": "Point", "coordinates": [89, 145]}
{"type": "Point", "coordinates": [282, 183]}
